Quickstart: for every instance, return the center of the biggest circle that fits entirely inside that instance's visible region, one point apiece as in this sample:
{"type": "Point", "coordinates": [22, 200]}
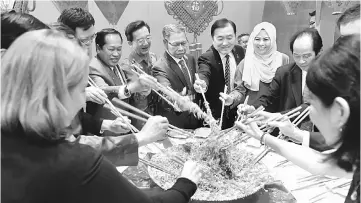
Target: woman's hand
{"type": "Point", "coordinates": [191, 171]}
{"type": "Point", "coordinates": [251, 129]}
{"type": "Point", "coordinates": [155, 129]}
{"type": "Point", "coordinates": [245, 109]}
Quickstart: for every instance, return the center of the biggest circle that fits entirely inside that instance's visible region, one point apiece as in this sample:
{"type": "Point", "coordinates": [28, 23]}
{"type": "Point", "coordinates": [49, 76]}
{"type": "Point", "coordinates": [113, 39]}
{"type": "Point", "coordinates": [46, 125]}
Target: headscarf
{"type": "Point", "coordinates": [261, 67]}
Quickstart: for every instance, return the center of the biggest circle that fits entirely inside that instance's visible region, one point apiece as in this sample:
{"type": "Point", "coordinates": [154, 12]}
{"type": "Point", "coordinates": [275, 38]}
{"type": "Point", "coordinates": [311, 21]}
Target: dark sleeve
{"type": "Point", "coordinates": [89, 124]}
{"type": "Point", "coordinates": [161, 75]}
{"type": "Point", "coordinates": [120, 150]}
{"type": "Point", "coordinates": [106, 184]}
{"type": "Point", "coordinates": [272, 93]}
{"type": "Point", "coordinates": [204, 69]}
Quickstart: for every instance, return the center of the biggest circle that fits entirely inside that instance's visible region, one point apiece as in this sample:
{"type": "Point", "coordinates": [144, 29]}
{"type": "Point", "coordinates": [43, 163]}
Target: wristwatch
{"type": "Point", "coordinates": [126, 91]}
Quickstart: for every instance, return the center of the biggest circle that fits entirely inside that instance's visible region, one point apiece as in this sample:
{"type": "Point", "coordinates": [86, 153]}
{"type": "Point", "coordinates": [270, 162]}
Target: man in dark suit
{"type": "Point", "coordinates": [288, 88]}
{"type": "Point", "coordinates": [217, 68]}
{"type": "Point", "coordinates": [177, 69]}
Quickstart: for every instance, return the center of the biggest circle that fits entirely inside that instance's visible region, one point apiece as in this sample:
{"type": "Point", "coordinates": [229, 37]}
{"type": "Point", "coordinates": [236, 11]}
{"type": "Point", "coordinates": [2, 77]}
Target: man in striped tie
{"type": "Point", "coordinates": [217, 69]}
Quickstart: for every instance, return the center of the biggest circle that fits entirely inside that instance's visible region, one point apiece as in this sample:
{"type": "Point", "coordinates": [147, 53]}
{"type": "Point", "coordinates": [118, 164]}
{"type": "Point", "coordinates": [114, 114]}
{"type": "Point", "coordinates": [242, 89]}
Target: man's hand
{"type": "Point", "coordinates": [95, 95]}
{"type": "Point", "coordinates": [228, 99]}
{"type": "Point", "coordinates": [143, 84]}
{"type": "Point", "coordinates": [200, 85]}
{"type": "Point", "coordinates": [117, 126]}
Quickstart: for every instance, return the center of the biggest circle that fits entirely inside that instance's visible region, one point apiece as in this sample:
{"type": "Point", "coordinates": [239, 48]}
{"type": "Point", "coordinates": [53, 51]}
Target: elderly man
{"type": "Point", "coordinates": [176, 69]}
{"type": "Point", "coordinates": [140, 40]}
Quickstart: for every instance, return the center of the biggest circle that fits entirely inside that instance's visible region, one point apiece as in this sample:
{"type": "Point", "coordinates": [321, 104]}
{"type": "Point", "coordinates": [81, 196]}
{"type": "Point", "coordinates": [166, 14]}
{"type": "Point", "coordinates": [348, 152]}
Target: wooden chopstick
{"type": "Point", "coordinates": [153, 165]}
{"type": "Point", "coordinates": [225, 91]}
{"type": "Point", "coordinates": [284, 119]}
{"type": "Point", "coordinates": [244, 103]}
{"type": "Point", "coordinates": [131, 127]}
{"type": "Point", "coordinates": [206, 104]}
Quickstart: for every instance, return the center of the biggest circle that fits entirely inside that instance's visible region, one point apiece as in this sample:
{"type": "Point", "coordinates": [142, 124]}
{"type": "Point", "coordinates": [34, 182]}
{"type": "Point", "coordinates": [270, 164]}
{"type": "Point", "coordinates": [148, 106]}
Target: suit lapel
{"type": "Point", "coordinates": [218, 60]}
{"type": "Point", "coordinates": [175, 68]}
{"type": "Point", "coordinates": [296, 83]}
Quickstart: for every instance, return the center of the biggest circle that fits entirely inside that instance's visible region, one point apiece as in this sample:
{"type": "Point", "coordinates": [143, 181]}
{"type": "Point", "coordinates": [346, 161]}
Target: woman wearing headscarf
{"type": "Point", "coordinates": [43, 80]}
{"type": "Point", "coordinates": [334, 83]}
{"type": "Point", "coordinates": [256, 71]}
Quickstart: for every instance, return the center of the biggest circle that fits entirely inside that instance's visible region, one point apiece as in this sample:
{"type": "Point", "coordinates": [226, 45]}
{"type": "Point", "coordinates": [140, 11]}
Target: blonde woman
{"type": "Point", "coordinates": [256, 71]}
{"type": "Point", "coordinates": [43, 79]}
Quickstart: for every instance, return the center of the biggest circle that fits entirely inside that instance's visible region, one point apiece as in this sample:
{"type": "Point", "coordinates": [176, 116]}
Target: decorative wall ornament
{"type": "Point", "coordinates": [195, 15]}
{"type": "Point", "coordinates": [291, 6]}
{"type": "Point", "coordinates": [340, 6]}
{"type": "Point", "coordinates": [62, 5]}
{"type": "Point", "coordinates": [112, 10]}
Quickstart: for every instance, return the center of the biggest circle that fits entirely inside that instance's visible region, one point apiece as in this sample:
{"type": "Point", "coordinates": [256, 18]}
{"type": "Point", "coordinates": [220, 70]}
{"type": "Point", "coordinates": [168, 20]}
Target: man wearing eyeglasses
{"type": "Point", "coordinates": [140, 40]}
{"type": "Point", "coordinates": [176, 69]}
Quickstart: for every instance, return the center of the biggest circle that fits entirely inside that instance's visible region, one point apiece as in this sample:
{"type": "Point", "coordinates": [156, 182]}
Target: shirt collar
{"type": "Point", "coordinates": [177, 60]}
{"type": "Point", "coordinates": [223, 56]}
{"type": "Point", "coordinates": [137, 58]}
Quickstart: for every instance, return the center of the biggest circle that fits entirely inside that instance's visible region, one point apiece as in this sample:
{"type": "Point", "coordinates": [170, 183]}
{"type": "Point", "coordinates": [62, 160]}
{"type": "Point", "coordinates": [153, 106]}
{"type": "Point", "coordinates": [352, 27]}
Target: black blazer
{"type": "Point", "coordinates": [285, 90]}
{"type": "Point", "coordinates": [211, 71]}
{"type": "Point", "coordinates": [285, 94]}
{"type": "Point", "coordinates": [168, 73]}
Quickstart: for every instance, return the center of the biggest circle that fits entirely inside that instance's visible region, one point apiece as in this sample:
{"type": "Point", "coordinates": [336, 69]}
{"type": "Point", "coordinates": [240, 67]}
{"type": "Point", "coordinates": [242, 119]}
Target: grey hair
{"type": "Point", "coordinates": [172, 28]}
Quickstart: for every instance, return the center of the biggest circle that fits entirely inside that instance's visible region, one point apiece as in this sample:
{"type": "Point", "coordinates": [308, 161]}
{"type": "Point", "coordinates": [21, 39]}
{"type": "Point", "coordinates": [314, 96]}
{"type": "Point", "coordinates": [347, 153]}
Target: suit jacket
{"type": "Point", "coordinates": [285, 94]}
{"type": "Point", "coordinates": [211, 71]}
{"type": "Point", "coordinates": [108, 81]}
{"type": "Point", "coordinates": [168, 73]}
{"type": "Point", "coordinates": [285, 90]}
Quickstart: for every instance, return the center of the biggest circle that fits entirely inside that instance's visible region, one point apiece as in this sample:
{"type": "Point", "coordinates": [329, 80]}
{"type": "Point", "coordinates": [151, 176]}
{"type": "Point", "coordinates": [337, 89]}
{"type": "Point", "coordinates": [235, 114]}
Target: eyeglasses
{"type": "Point", "coordinates": [305, 56]}
{"type": "Point", "coordinates": [88, 40]}
{"type": "Point", "coordinates": [177, 44]}
{"type": "Point", "coordinates": [142, 40]}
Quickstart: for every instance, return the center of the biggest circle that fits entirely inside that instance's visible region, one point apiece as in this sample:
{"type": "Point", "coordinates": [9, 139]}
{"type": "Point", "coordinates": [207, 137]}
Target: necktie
{"type": "Point", "coordinates": [118, 74]}
{"type": "Point", "coordinates": [185, 73]}
{"type": "Point", "coordinates": [227, 76]}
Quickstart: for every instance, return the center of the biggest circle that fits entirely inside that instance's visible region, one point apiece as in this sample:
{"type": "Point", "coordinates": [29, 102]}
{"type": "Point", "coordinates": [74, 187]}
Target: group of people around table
{"type": "Point", "coordinates": [49, 112]}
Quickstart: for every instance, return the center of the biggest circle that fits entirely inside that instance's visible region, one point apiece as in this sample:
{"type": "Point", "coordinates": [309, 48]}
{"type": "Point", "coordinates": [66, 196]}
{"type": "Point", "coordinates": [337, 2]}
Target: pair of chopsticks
{"type": "Point", "coordinates": [206, 104]}
{"type": "Point", "coordinates": [153, 165]}
{"type": "Point", "coordinates": [297, 120]}
{"type": "Point", "coordinates": [146, 115]}
{"type": "Point", "coordinates": [117, 113]}
{"type": "Point", "coordinates": [278, 118]}
{"type": "Point", "coordinates": [332, 190]}
{"type": "Point", "coordinates": [223, 101]}
{"type": "Point", "coordinates": [240, 116]}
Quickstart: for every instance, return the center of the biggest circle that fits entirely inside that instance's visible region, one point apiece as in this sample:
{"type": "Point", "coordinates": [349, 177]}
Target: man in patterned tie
{"type": "Point", "coordinates": [140, 40]}
{"type": "Point", "coordinates": [217, 68]}
{"type": "Point", "coordinates": [176, 69]}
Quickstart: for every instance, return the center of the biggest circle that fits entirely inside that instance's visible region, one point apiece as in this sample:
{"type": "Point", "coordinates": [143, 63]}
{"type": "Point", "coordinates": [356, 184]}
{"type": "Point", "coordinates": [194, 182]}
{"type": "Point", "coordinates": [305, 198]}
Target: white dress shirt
{"type": "Point", "coordinates": [304, 74]}
{"type": "Point", "coordinates": [232, 68]}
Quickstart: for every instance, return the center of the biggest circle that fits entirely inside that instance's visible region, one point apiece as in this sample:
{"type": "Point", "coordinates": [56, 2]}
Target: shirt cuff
{"type": "Point", "coordinates": [306, 138]}
{"type": "Point", "coordinates": [123, 92]}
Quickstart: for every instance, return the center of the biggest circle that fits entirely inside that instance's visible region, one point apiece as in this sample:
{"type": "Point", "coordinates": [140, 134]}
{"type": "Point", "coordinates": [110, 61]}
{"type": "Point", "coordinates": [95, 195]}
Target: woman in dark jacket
{"type": "Point", "coordinates": [43, 78]}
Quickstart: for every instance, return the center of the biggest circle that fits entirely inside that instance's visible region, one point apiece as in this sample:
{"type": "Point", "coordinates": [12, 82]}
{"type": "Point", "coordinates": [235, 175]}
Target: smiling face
{"type": "Point", "coordinates": [111, 52]}
{"type": "Point", "coordinates": [224, 39]}
{"type": "Point", "coordinates": [262, 43]}
{"type": "Point", "coordinates": [142, 41]}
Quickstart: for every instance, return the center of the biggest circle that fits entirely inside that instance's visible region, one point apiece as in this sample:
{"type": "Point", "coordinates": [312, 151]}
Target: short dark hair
{"type": "Point", "coordinates": [313, 13]}
{"type": "Point", "coordinates": [76, 18]}
{"type": "Point", "coordinates": [68, 32]}
{"type": "Point", "coordinates": [15, 24]}
{"type": "Point", "coordinates": [222, 23]}
{"type": "Point", "coordinates": [100, 38]}
{"type": "Point", "coordinates": [313, 33]}
{"type": "Point", "coordinates": [336, 73]}
{"type": "Point", "coordinates": [350, 15]}
{"type": "Point", "coordinates": [133, 27]}
{"type": "Point", "coordinates": [242, 35]}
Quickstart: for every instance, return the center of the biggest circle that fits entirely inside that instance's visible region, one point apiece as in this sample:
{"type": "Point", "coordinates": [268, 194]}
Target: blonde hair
{"type": "Point", "coordinates": [172, 28]}
{"type": "Point", "coordinates": [38, 74]}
